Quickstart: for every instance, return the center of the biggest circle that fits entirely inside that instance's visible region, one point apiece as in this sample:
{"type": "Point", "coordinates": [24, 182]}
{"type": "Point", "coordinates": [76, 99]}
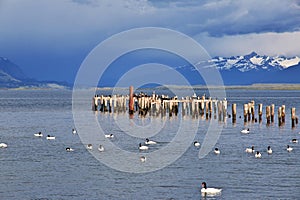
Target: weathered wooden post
{"type": "Point", "coordinates": [220, 106]}
{"type": "Point", "coordinates": [293, 116]}
{"type": "Point", "coordinates": [131, 100]}
{"type": "Point", "coordinates": [245, 112]}
{"type": "Point", "coordinates": [224, 109]}
{"type": "Point", "coordinates": [252, 109]}
{"type": "Point", "coordinates": [260, 112]}
{"type": "Point", "coordinates": [234, 113]}
{"type": "Point", "coordinates": [95, 103]}
{"type": "Point", "coordinates": [283, 114]}
{"type": "Point", "coordinates": [206, 109]}
{"type": "Point", "coordinates": [272, 112]}
{"type": "Point", "coordinates": [210, 107]}
{"type": "Point", "coordinates": [268, 114]}
{"type": "Point", "coordinates": [279, 116]}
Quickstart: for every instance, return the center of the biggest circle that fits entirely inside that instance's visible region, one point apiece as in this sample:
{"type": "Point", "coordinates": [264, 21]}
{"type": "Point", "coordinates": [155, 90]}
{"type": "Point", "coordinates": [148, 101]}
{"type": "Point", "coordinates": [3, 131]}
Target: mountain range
{"type": "Point", "coordinates": [11, 76]}
{"type": "Point", "coordinates": [235, 70]}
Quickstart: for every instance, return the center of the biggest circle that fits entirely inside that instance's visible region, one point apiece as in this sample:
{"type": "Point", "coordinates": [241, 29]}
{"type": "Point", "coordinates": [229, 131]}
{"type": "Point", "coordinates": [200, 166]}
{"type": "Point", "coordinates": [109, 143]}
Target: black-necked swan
{"type": "Point", "coordinates": [142, 147]}
{"type": "Point", "coordinates": [49, 137]}
{"type": "Point", "coordinates": [69, 149]}
{"type": "Point", "coordinates": [269, 150]}
{"type": "Point", "coordinates": [294, 141]}
{"type": "Point", "coordinates": [3, 145]}
{"type": "Point", "coordinates": [250, 150]}
{"type": "Point", "coordinates": [258, 154]}
{"type": "Point", "coordinates": [101, 148]}
{"type": "Point", "coordinates": [74, 131]}
{"type": "Point", "coordinates": [39, 134]}
{"type": "Point", "coordinates": [217, 151]}
{"type": "Point", "coordinates": [109, 135]}
{"type": "Point", "coordinates": [209, 191]}
{"type": "Point", "coordinates": [143, 159]}
{"type": "Point", "coordinates": [246, 131]}
{"type": "Point", "coordinates": [196, 144]}
{"type": "Point", "coordinates": [89, 146]}
{"type": "Point", "coordinates": [149, 141]}
{"type": "Point", "coordinates": [288, 148]}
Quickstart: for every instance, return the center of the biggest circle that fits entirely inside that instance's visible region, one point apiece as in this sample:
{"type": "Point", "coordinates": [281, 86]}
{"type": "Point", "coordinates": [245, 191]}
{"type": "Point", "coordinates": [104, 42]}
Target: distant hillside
{"type": "Point", "coordinates": [11, 76]}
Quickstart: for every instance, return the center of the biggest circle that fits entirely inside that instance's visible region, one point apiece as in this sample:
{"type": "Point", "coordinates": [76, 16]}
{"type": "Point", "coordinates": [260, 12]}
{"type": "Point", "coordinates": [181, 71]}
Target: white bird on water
{"type": "Point", "coordinates": [149, 141]}
{"type": "Point", "coordinates": [258, 154]}
{"type": "Point", "coordinates": [74, 131]}
{"type": "Point", "coordinates": [49, 137]}
{"type": "Point", "coordinates": [196, 144]}
{"type": "Point", "coordinates": [39, 134]}
{"type": "Point", "coordinates": [269, 150]}
{"type": "Point", "coordinates": [288, 148]}
{"type": "Point", "coordinates": [101, 148]}
{"type": "Point", "coordinates": [143, 159]}
{"type": "Point", "coordinates": [143, 147]}
{"type": "Point", "coordinates": [246, 131]}
{"type": "Point", "coordinates": [250, 150]}
{"type": "Point", "coordinates": [217, 151]}
{"type": "Point", "coordinates": [294, 141]}
{"type": "Point", "coordinates": [89, 146]}
{"type": "Point", "coordinates": [3, 145]}
{"type": "Point", "coordinates": [209, 191]}
{"type": "Point", "coordinates": [109, 135]}
{"type": "Point", "coordinates": [69, 149]}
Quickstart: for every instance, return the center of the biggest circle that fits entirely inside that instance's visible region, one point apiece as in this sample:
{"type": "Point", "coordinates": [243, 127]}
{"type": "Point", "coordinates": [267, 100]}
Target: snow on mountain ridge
{"type": "Point", "coordinates": [253, 61]}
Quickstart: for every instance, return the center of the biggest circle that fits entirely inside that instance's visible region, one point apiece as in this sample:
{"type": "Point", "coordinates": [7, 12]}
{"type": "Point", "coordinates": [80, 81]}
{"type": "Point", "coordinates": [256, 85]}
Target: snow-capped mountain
{"type": "Point", "coordinates": [253, 61]}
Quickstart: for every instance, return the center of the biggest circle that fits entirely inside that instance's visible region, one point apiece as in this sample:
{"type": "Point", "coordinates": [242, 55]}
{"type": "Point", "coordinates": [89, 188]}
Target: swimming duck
{"type": "Point", "coordinates": [294, 141]}
{"type": "Point", "coordinates": [68, 149]}
{"type": "Point", "coordinates": [143, 159]}
{"type": "Point", "coordinates": [149, 141]}
{"type": "Point", "coordinates": [288, 148]}
{"type": "Point", "coordinates": [250, 150]}
{"type": "Point", "coordinates": [217, 151]}
{"type": "Point", "coordinates": [209, 191]}
{"type": "Point", "coordinates": [258, 154]}
{"type": "Point", "coordinates": [89, 146]}
{"type": "Point", "coordinates": [109, 135]}
{"type": "Point", "coordinates": [246, 131]}
{"type": "Point", "coordinates": [3, 145]}
{"type": "Point", "coordinates": [74, 131]}
{"type": "Point", "coordinates": [49, 137]}
{"type": "Point", "coordinates": [101, 148]}
{"type": "Point", "coordinates": [196, 144]}
{"type": "Point", "coordinates": [269, 150]}
{"type": "Point", "coordinates": [39, 134]}
{"type": "Point", "coordinates": [142, 147]}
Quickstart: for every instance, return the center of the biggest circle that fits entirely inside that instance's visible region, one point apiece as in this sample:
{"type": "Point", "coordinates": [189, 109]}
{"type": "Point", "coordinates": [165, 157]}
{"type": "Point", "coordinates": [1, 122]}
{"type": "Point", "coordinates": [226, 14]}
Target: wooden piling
{"type": "Point", "coordinates": [283, 114]}
{"type": "Point", "coordinates": [272, 112]}
{"type": "Point", "coordinates": [279, 116]}
{"type": "Point", "coordinates": [293, 116]}
{"type": "Point", "coordinates": [131, 100]}
{"type": "Point", "coordinates": [268, 114]}
{"type": "Point", "coordinates": [252, 110]}
{"type": "Point", "coordinates": [234, 113]}
{"type": "Point", "coordinates": [260, 107]}
{"type": "Point", "coordinates": [245, 112]}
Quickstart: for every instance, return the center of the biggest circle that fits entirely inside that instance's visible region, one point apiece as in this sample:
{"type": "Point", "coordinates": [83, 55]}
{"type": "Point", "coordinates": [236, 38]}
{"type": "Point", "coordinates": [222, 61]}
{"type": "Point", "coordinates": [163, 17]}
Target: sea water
{"type": "Point", "coordinates": [35, 168]}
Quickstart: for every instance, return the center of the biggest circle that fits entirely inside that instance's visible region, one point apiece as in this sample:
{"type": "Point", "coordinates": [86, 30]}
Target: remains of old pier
{"type": "Point", "coordinates": [195, 106]}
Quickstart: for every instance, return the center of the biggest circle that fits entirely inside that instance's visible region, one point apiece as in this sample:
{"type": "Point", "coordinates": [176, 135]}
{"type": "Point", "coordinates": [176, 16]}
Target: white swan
{"type": "Point", "coordinates": [143, 159]}
{"type": "Point", "coordinates": [149, 141]}
{"type": "Point", "coordinates": [3, 145]}
{"type": "Point", "coordinates": [89, 146]}
{"type": "Point", "coordinates": [217, 151]}
{"type": "Point", "coordinates": [288, 148]}
{"type": "Point", "coordinates": [39, 134]}
{"type": "Point", "coordinates": [258, 154]}
{"type": "Point", "coordinates": [294, 141]}
{"type": "Point", "coordinates": [269, 150]}
{"type": "Point", "coordinates": [250, 150]}
{"type": "Point", "coordinates": [101, 148]}
{"type": "Point", "coordinates": [209, 191]}
{"type": "Point", "coordinates": [74, 131]}
{"type": "Point", "coordinates": [109, 135]}
{"type": "Point", "coordinates": [142, 147]}
{"type": "Point", "coordinates": [246, 131]}
{"type": "Point", "coordinates": [68, 149]}
{"type": "Point", "coordinates": [196, 144]}
{"type": "Point", "coordinates": [49, 137]}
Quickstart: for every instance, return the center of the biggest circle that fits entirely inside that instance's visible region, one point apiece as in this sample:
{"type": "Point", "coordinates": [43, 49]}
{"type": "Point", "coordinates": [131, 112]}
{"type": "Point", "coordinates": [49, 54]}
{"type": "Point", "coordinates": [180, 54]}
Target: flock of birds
{"type": "Point", "coordinates": [269, 150]}
{"type": "Point", "coordinates": [143, 147]}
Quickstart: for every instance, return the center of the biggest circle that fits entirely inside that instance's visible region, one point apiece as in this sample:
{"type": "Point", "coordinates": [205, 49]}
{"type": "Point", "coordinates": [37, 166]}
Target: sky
{"type": "Point", "coordinates": [49, 39]}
